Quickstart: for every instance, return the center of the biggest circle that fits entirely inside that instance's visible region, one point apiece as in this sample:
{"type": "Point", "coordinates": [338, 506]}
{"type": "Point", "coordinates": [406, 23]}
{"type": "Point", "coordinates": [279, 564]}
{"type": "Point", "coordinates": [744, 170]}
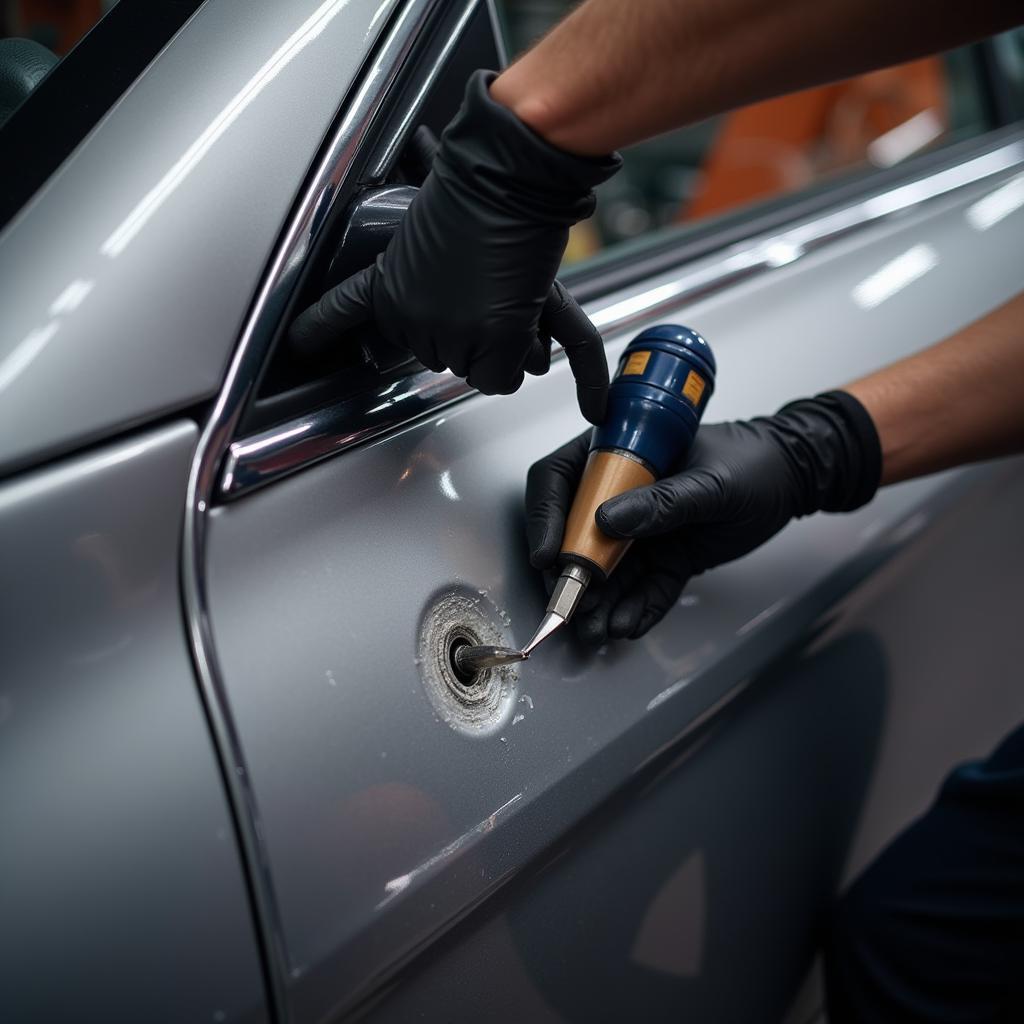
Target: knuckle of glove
{"type": "Point", "coordinates": [492, 383]}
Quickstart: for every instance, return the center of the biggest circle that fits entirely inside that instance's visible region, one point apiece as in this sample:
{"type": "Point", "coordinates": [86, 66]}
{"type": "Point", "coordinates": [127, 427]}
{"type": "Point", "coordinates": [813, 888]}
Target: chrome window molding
{"type": "Point", "coordinates": [389, 150]}
{"type": "Point", "coordinates": [406, 21]}
{"type": "Point", "coordinates": [271, 454]}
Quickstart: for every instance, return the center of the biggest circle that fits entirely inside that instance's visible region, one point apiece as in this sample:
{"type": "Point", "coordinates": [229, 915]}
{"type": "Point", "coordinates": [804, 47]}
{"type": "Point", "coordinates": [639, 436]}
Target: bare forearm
{"type": "Point", "coordinates": [957, 402]}
{"type": "Point", "coordinates": [617, 71]}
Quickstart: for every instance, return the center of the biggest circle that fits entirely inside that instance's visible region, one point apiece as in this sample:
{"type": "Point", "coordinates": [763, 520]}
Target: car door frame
{"type": "Point", "coordinates": [226, 466]}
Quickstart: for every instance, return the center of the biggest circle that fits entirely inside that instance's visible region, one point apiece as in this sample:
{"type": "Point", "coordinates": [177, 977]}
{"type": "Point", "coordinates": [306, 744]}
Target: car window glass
{"type": "Point", "coordinates": [63, 65]}
{"type": "Point", "coordinates": [768, 149]}
{"type": "Point", "coordinates": [1009, 50]}
{"type": "Point", "coordinates": [34, 36]}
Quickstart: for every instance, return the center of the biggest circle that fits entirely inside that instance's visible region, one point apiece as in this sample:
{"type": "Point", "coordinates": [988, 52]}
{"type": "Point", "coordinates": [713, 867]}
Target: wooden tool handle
{"type": "Point", "coordinates": [606, 475]}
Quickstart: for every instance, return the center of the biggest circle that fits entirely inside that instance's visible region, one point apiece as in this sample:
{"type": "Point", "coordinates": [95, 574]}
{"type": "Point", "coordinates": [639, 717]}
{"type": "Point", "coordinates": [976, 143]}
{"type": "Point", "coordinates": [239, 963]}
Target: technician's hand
{"type": "Point", "coordinates": [465, 279]}
{"type": "Point", "coordinates": [741, 484]}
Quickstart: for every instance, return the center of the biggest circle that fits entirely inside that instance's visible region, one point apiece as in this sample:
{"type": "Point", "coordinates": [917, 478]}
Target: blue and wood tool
{"type": "Point", "coordinates": [665, 377]}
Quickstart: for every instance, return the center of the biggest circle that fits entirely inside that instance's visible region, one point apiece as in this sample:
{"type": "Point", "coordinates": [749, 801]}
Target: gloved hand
{"type": "Point", "coordinates": [465, 279]}
{"type": "Point", "coordinates": [740, 485]}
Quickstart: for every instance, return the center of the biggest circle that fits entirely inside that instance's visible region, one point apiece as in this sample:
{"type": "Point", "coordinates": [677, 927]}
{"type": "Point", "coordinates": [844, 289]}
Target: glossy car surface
{"type": "Point", "coordinates": [230, 787]}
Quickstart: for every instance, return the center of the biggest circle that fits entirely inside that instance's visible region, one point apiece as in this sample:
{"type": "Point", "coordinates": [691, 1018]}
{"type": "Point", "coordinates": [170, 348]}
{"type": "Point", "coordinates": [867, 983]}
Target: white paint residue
{"type": "Point", "coordinates": [447, 487]}
{"type": "Point", "coordinates": [398, 885]}
{"type": "Point", "coordinates": [670, 692]}
{"type": "Point", "coordinates": [527, 700]}
{"type": "Point", "coordinates": [330, 678]}
{"type": "Point", "coordinates": [894, 276]}
{"type": "Point", "coordinates": [518, 719]}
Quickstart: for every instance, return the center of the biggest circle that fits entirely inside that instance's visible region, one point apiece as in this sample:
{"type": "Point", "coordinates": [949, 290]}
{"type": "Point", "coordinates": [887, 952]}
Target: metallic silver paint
{"type": "Point", "coordinates": [695, 895]}
{"type": "Point", "coordinates": [383, 827]}
{"type": "Point", "coordinates": [281, 450]}
{"type": "Point", "coordinates": [389, 846]}
{"type": "Point", "coordinates": [246, 363]}
{"type": "Point", "coordinates": [105, 276]}
{"type": "Point", "coordinates": [120, 879]}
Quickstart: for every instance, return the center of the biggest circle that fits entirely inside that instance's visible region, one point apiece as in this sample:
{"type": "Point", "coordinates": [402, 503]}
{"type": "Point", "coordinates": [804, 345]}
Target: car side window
{"type": "Point", "coordinates": [769, 149]}
{"type": "Point", "coordinates": [1009, 53]}
{"type": "Point", "coordinates": [63, 64]}
{"type": "Point", "coordinates": [34, 38]}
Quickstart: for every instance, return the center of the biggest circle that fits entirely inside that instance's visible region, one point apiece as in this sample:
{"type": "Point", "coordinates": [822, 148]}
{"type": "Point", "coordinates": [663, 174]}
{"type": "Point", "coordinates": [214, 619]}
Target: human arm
{"type": "Point", "coordinates": [467, 282]}
{"type": "Point", "coordinates": [958, 401]}
{"type": "Point", "coordinates": [613, 73]}
{"type": "Point", "coordinates": [464, 281]}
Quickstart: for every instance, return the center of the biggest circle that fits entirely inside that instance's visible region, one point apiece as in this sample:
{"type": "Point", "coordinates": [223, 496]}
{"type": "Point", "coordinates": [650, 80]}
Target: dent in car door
{"type": "Point", "coordinates": [386, 815]}
{"type": "Point", "coordinates": [385, 823]}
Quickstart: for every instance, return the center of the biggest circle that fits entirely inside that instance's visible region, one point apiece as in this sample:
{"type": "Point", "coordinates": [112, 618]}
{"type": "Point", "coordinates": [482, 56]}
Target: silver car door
{"type": "Point", "coordinates": [130, 250]}
{"type": "Point", "coordinates": [653, 828]}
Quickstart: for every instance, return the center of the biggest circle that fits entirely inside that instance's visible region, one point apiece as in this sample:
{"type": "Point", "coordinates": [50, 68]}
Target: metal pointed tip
{"type": "Point", "coordinates": [551, 622]}
{"type": "Point", "coordinates": [564, 599]}
{"type": "Point", "coordinates": [471, 660]}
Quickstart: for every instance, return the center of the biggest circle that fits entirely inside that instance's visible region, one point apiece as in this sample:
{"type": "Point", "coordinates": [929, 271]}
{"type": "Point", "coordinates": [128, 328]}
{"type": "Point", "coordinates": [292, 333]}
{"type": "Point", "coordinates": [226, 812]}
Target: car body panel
{"type": "Point", "coordinates": [700, 893]}
{"type": "Point", "coordinates": [122, 889]}
{"type": "Point", "coordinates": [105, 277]}
{"type": "Point", "coordinates": [652, 827]}
{"type": "Point", "coordinates": [384, 825]}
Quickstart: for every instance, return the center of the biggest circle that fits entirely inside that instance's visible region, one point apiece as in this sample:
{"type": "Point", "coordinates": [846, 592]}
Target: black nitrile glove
{"type": "Point", "coordinates": [740, 485]}
{"type": "Point", "coordinates": [465, 279]}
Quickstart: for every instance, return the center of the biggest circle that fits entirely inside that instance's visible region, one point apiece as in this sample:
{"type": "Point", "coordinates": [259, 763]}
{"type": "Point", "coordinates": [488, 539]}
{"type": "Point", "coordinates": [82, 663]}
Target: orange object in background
{"type": "Point", "coordinates": [57, 24]}
{"type": "Point", "coordinates": [787, 143]}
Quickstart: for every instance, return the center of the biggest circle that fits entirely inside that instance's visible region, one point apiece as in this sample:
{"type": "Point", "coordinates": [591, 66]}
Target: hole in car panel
{"type": "Point", "coordinates": [474, 705]}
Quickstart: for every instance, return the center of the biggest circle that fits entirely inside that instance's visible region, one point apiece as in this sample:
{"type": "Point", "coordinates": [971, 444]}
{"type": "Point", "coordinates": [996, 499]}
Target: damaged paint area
{"type": "Point", "coordinates": [477, 704]}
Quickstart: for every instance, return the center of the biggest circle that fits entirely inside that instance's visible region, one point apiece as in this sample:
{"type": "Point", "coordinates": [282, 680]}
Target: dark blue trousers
{"type": "Point", "coordinates": [934, 928]}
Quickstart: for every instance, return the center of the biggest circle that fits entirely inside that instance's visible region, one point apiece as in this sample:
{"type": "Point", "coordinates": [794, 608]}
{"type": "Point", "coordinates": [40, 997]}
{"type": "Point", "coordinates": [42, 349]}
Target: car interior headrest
{"type": "Point", "coordinates": [24, 63]}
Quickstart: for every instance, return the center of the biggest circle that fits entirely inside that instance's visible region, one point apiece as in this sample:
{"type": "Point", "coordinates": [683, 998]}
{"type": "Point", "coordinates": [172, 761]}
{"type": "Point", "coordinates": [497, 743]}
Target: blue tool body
{"type": "Point", "coordinates": [665, 377]}
{"type": "Point", "coordinates": [664, 381]}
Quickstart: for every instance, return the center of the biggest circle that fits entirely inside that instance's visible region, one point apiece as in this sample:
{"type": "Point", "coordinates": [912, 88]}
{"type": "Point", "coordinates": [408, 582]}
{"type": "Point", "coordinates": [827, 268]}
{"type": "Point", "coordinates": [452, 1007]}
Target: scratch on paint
{"type": "Point", "coordinates": [760, 617]}
{"type": "Point", "coordinates": [670, 692]}
{"type": "Point", "coordinates": [398, 885]}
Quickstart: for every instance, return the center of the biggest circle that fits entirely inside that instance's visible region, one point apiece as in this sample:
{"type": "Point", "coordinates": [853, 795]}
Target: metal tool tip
{"type": "Point", "coordinates": [472, 659]}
